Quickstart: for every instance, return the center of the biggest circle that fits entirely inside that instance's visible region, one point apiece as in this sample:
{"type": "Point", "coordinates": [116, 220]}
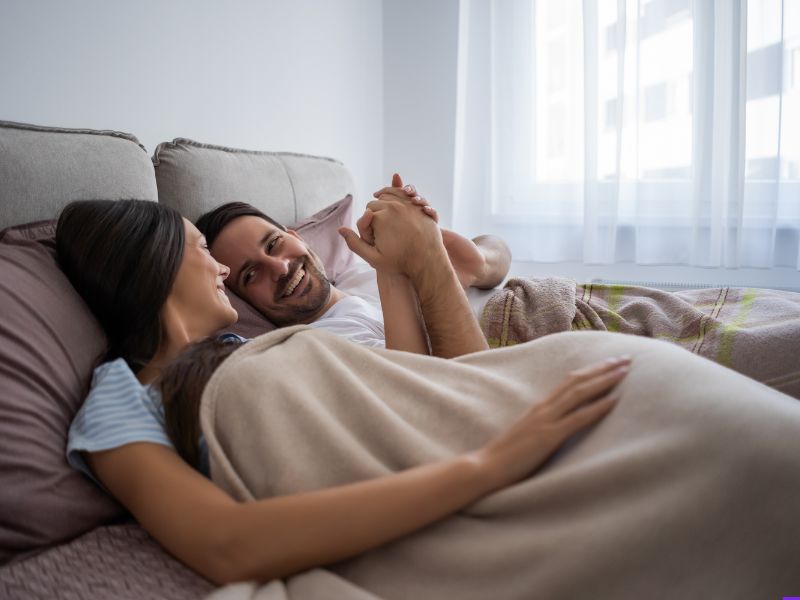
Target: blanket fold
{"type": "Point", "coordinates": [687, 489]}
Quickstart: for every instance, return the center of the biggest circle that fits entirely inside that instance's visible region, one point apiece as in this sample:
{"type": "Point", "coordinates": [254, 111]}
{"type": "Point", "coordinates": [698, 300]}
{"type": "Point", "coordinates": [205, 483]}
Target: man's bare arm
{"type": "Point", "coordinates": [452, 328]}
{"type": "Point", "coordinates": [409, 242]}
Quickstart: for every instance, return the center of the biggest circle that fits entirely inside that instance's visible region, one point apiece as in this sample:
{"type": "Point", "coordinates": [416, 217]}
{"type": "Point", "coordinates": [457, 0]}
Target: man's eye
{"type": "Point", "coordinates": [271, 244]}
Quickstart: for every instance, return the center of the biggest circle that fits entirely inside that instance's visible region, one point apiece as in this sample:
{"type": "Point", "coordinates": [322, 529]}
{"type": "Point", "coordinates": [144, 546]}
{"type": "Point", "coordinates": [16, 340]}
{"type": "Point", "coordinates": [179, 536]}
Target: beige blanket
{"type": "Point", "coordinates": [690, 488]}
{"type": "Point", "coordinates": [753, 331]}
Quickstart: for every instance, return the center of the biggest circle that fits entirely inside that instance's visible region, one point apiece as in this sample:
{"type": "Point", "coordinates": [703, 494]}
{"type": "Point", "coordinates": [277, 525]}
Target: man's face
{"type": "Point", "coordinates": [274, 270]}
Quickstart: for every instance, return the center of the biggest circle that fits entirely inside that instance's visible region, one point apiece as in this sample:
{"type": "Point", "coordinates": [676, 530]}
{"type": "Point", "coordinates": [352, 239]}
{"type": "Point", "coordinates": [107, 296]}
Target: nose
{"type": "Point", "coordinates": [277, 267]}
{"type": "Point", "coordinates": [224, 271]}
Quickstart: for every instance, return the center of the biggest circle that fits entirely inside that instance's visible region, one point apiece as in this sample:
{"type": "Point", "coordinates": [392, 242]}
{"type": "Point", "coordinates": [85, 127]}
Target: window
{"type": "Point", "coordinates": [663, 134]}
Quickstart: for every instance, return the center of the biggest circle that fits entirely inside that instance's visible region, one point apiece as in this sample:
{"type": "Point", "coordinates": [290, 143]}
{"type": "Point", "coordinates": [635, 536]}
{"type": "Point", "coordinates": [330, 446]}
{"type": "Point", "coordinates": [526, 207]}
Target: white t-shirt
{"type": "Point", "coordinates": [356, 319]}
{"type": "Point", "coordinates": [358, 316]}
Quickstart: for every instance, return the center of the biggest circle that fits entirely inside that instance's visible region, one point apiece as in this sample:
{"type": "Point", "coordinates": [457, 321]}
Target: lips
{"type": "Point", "coordinates": [293, 282]}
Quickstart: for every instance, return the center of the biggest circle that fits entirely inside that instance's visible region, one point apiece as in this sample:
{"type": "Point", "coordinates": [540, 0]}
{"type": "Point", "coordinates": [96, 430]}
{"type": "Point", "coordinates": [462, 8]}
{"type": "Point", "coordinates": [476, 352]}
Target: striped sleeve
{"type": "Point", "coordinates": [118, 411]}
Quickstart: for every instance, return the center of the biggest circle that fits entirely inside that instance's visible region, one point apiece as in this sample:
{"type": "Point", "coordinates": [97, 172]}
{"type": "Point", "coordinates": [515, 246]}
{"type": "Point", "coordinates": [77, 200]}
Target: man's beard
{"type": "Point", "coordinates": [284, 316]}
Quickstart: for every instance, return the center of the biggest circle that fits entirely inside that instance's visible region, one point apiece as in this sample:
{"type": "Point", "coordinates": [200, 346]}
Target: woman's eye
{"type": "Point", "coordinates": [248, 277]}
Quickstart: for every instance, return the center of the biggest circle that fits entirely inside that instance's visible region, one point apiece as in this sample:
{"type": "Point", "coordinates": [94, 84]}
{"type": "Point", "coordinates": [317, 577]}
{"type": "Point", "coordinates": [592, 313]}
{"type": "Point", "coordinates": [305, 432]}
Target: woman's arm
{"type": "Point", "coordinates": [226, 541]}
{"type": "Point", "coordinates": [404, 327]}
{"type": "Point", "coordinates": [402, 319]}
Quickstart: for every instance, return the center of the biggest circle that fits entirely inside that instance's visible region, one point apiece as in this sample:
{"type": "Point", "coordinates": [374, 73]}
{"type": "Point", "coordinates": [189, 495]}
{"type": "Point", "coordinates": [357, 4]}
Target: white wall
{"type": "Point", "coordinates": [299, 75]}
{"type": "Point", "coordinates": [420, 40]}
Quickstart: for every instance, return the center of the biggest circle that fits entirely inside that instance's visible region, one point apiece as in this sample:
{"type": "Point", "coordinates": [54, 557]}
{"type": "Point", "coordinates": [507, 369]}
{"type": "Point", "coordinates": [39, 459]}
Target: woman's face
{"type": "Point", "coordinates": [198, 297]}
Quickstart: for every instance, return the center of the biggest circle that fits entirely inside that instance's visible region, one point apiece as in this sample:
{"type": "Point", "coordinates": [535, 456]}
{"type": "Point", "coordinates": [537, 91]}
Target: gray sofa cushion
{"type": "Point", "coordinates": [44, 168]}
{"type": "Point", "coordinates": [195, 178]}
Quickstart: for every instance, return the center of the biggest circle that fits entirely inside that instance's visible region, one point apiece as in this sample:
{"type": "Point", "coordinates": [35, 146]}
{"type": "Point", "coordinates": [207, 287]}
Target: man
{"type": "Point", "coordinates": [279, 275]}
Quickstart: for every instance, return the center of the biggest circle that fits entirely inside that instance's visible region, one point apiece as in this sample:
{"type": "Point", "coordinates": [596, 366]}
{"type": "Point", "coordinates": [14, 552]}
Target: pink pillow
{"type": "Point", "coordinates": [320, 232]}
{"type": "Point", "coordinates": [49, 346]}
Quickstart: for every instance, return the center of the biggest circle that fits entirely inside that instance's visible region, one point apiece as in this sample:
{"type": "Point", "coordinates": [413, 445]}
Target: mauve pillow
{"type": "Point", "coordinates": [49, 345]}
{"type": "Point", "coordinates": [320, 232]}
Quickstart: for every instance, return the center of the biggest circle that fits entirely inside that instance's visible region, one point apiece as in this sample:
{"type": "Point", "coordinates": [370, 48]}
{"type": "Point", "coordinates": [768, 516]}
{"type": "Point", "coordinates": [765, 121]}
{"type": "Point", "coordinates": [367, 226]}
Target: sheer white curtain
{"type": "Point", "coordinates": [631, 131]}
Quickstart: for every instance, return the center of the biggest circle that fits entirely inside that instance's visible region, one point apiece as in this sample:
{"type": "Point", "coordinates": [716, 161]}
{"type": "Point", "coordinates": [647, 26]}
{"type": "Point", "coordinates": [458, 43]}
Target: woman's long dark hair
{"type": "Point", "coordinates": [122, 257]}
{"type": "Point", "coordinates": [182, 383]}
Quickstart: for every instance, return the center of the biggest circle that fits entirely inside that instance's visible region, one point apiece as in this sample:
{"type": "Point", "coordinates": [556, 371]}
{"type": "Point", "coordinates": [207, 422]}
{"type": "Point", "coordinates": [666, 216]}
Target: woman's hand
{"type": "Point", "coordinates": [482, 262]}
{"type": "Point", "coordinates": [581, 400]}
{"type": "Point", "coordinates": [398, 190]}
{"type": "Point", "coordinates": [409, 193]}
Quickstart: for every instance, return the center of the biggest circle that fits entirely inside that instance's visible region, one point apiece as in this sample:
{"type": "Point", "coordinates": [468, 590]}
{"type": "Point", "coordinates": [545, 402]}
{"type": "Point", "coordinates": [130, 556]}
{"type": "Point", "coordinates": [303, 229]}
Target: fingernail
{"type": "Point", "coordinates": [408, 188]}
{"type": "Point", "coordinates": [625, 358]}
{"type": "Point", "coordinates": [623, 369]}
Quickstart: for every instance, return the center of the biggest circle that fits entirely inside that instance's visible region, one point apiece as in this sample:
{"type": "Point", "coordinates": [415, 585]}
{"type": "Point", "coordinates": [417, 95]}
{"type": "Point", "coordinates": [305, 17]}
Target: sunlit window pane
{"type": "Point", "coordinates": [559, 91]}
{"type": "Point", "coordinates": [772, 113]}
{"type": "Point", "coordinates": [665, 68]}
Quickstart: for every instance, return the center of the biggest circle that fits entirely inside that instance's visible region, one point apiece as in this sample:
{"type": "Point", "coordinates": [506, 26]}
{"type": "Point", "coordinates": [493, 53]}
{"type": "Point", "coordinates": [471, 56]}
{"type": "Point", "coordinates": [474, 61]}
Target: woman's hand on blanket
{"type": "Point", "coordinates": [582, 399]}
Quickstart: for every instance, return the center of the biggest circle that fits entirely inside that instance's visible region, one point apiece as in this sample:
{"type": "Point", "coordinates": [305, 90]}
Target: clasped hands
{"type": "Point", "coordinates": [398, 231]}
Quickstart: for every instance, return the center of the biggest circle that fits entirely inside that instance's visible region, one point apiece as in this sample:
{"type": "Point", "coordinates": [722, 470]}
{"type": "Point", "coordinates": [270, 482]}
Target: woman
{"type": "Point", "coordinates": [148, 277]}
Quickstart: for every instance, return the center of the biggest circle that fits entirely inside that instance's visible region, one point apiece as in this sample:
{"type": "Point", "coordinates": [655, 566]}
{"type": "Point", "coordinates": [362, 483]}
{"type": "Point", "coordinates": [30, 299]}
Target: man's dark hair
{"type": "Point", "coordinates": [213, 222]}
{"type": "Point", "coordinates": [122, 257]}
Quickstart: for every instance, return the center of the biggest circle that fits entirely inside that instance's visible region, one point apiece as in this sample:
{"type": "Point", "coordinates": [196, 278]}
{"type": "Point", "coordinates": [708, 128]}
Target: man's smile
{"type": "Point", "coordinates": [294, 285]}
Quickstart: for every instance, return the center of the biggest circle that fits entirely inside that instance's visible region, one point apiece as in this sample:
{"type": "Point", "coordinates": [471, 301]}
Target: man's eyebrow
{"type": "Point", "coordinates": [249, 263]}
